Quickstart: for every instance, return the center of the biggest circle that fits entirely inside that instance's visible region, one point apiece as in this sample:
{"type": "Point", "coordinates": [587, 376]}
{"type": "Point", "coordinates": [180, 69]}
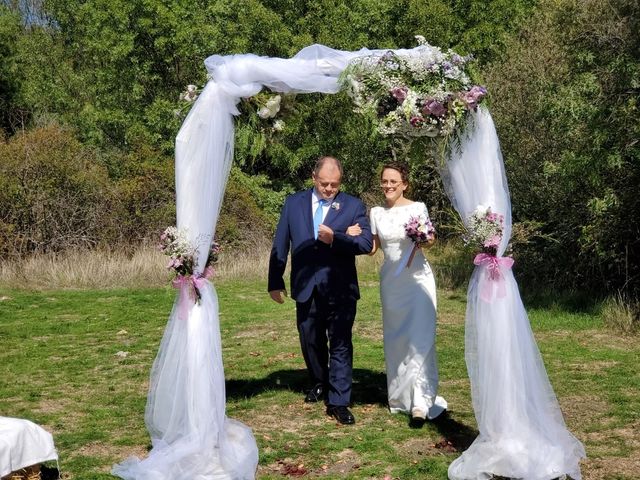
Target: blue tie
{"type": "Point", "coordinates": [317, 217]}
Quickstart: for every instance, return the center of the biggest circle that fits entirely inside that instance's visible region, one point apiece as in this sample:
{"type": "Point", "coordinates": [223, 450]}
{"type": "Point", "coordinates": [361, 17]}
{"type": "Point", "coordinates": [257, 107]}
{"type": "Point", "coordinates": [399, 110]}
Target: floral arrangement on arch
{"type": "Point", "coordinates": [268, 106]}
{"type": "Point", "coordinates": [271, 109]}
{"type": "Point", "coordinates": [175, 244]}
{"type": "Point", "coordinates": [485, 230]}
{"type": "Point", "coordinates": [426, 93]}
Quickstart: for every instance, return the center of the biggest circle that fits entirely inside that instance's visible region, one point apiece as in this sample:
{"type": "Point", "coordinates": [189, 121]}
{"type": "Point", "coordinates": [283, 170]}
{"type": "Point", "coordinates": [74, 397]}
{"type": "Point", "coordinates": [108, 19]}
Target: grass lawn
{"type": "Point", "coordinates": [77, 362]}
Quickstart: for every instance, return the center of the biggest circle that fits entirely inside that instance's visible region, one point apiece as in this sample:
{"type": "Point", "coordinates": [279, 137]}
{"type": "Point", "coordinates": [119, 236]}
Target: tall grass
{"type": "Point", "coordinates": [145, 267]}
{"type": "Point", "coordinates": [621, 314]}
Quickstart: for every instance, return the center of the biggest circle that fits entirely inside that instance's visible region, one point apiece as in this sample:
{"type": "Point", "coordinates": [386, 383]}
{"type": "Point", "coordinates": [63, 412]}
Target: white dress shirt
{"type": "Point", "coordinates": [315, 200]}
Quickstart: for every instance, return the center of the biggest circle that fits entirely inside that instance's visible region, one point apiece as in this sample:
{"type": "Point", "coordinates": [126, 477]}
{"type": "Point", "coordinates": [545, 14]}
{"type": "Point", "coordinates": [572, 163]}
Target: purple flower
{"type": "Point", "coordinates": [457, 59]}
{"type": "Point", "coordinates": [433, 107]}
{"type": "Point", "coordinates": [474, 96]}
{"type": "Point", "coordinates": [399, 93]}
{"type": "Point", "coordinates": [419, 230]}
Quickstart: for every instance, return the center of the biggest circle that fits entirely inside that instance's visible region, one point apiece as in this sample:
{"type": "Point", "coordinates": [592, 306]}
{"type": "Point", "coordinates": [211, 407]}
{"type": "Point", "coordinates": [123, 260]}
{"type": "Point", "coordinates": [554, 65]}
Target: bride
{"type": "Point", "coordinates": [408, 296]}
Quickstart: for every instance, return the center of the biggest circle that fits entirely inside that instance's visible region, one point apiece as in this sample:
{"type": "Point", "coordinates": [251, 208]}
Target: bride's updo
{"type": "Point", "coordinates": [401, 167]}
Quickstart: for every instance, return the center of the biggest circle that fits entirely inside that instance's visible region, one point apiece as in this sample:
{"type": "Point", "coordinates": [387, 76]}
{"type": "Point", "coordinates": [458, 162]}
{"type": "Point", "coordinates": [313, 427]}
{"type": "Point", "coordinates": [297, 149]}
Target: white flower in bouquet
{"type": "Point", "coordinates": [175, 244]}
{"type": "Point", "coordinates": [278, 125]}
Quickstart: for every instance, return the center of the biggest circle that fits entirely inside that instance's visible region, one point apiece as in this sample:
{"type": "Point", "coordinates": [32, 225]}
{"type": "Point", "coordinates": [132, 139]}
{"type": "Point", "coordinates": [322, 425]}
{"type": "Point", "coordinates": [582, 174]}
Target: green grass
{"type": "Point", "coordinates": [60, 368]}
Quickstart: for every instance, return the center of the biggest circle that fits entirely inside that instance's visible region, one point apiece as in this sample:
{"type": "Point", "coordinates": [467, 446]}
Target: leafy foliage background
{"type": "Point", "coordinates": [89, 91]}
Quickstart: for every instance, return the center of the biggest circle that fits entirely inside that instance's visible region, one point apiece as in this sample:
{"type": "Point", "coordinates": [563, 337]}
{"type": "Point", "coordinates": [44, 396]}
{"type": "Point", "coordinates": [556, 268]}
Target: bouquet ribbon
{"type": "Point", "coordinates": [190, 286]}
{"type": "Point", "coordinates": [493, 264]}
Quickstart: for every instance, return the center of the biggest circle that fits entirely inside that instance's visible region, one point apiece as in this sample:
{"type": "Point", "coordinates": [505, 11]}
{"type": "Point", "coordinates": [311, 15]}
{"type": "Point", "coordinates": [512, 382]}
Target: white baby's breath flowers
{"type": "Point", "coordinates": [278, 125]}
{"type": "Point", "coordinates": [420, 39]}
{"type": "Point", "coordinates": [409, 106]}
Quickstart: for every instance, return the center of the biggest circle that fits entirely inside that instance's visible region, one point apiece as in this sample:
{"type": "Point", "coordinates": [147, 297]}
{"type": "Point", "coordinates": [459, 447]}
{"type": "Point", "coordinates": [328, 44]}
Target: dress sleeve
{"type": "Point", "coordinates": [425, 212]}
{"type": "Point", "coordinates": [372, 222]}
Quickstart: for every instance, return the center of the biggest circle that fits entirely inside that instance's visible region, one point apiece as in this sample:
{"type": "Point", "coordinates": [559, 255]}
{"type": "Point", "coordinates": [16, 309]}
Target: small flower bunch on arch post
{"type": "Point", "coordinates": [175, 244]}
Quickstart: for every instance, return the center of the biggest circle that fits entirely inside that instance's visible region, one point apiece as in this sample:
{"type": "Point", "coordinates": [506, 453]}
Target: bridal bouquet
{"type": "Point", "coordinates": [420, 230]}
{"type": "Point", "coordinates": [426, 92]}
{"type": "Point", "coordinates": [175, 244]}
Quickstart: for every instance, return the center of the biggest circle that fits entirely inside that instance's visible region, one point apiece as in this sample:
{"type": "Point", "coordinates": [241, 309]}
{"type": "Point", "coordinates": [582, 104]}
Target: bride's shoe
{"type": "Point", "coordinates": [418, 413]}
{"type": "Point", "coordinates": [418, 417]}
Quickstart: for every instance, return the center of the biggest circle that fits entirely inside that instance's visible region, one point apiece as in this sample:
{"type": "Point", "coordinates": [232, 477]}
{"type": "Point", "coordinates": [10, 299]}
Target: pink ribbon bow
{"type": "Point", "coordinates": [493, 264]}
{"type": "Point", "coordinates": [190, 286]}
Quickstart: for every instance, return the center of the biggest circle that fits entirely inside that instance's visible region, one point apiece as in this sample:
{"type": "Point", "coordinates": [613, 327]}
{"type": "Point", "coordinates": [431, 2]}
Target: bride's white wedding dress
{"type": "Point", "coordinates": [408, 315]}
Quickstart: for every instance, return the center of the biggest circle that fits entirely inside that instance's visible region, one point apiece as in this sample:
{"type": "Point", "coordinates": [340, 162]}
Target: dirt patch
{"type": "Point", "coordinates": [450, 319]}
{"type": "Point", "coordinates": [345, 462]}
{"type": "Point", "coordinates": [102, 450]}
{"type": "Point", "coordinates": [414, 448]}
{"type": "Point", "coordinates": [277, 419]}
{"type": "Point", "coordinates": [575, 408]}
{"type": "Point", "coordinates": [620, 448]}
{"type": "Point", "coordinates": [591, 338]}
{"type": "Point", "coordinates": [611, 468]}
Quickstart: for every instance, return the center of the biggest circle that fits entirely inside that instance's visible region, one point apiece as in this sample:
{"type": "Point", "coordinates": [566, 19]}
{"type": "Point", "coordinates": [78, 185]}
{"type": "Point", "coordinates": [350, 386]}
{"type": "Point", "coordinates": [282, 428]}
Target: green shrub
{"type": "Point", "coordinates": [54, 195]}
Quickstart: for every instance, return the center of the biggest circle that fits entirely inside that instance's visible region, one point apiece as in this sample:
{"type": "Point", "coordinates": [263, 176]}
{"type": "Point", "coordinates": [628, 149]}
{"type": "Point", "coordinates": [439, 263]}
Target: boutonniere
{"type": "Point", "coordinates": [335, 205]}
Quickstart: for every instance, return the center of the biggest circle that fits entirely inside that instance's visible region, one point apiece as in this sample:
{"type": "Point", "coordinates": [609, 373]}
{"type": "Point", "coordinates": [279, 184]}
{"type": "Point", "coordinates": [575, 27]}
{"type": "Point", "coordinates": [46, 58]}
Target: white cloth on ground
{"type": "Point", "coordinates": [23, 444]}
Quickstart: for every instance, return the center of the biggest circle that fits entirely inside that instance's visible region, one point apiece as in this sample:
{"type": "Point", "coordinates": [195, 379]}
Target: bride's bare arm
{"type": "Point", "coordinates": [376, 244]}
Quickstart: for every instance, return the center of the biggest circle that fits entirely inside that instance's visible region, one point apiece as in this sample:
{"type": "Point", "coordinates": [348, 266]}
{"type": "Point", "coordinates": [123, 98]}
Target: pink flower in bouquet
{"type": "Point", "coordinates": [416, 121]}
{"type": "Point", "coordinates": [474, 96]}
{"type": "Point", "coordinates": [174, 263]}
{"type": "Point", "coordinates": [419, 230]}
{"type": "Point", "coordinates": [399, 93]}
{"type": "Point", "coordinates": [493, 241]}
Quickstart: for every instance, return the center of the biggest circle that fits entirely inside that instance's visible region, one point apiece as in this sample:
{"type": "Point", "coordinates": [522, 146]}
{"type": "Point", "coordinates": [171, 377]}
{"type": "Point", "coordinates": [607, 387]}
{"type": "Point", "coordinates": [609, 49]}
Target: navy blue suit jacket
{"type": "Point", "coordinates": [330, 268]}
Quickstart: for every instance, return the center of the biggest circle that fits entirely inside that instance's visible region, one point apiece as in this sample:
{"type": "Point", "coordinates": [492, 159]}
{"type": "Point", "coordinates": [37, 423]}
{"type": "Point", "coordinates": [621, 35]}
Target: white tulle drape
{"type": "Point", "coordinates": [192, 437]}
{"type": "Point", "coordinates": [522, 432]}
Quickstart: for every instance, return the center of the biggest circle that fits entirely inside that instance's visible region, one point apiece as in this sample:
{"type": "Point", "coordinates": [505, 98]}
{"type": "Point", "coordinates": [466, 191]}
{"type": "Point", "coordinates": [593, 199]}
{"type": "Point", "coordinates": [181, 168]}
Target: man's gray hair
{"type": "Point", "coordinates": [327, 159]}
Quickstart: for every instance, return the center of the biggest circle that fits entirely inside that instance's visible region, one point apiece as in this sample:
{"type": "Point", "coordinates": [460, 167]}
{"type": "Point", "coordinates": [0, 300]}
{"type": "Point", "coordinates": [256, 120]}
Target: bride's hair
{"type": "Point", "coordinates": [401, 167]}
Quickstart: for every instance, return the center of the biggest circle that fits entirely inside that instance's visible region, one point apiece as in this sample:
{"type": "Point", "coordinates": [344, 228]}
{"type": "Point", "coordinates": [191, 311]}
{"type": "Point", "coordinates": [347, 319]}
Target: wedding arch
{"type": "Point", "coordinates": [522, 433]}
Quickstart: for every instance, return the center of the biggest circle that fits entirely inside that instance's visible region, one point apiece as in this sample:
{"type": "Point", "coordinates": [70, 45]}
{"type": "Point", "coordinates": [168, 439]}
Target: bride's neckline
{"type": "Point", "coordinates": [399, 206]}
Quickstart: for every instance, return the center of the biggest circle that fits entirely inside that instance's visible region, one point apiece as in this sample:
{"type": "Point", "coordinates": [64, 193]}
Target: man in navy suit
{"type": "Point", "coordinates": [324, 281]}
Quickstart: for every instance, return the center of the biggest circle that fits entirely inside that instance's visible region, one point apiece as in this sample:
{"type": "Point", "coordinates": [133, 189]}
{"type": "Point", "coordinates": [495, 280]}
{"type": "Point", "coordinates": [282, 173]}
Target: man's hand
{"type": "Point", "coordinates": [354, 230]}
{"type": "Point", "coordinates": [325, 234]}
{"type": "Point", "coordinates": [278, 295]}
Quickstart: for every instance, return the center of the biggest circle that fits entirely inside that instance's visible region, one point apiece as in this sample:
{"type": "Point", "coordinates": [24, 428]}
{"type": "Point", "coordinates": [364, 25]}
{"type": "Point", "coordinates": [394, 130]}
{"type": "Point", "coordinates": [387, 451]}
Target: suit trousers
{"type": "Point", "coordinates": [325, 327]}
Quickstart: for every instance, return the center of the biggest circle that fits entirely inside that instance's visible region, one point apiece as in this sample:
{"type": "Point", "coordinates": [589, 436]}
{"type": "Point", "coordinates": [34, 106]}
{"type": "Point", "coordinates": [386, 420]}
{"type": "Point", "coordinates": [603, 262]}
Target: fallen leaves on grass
{"type": "Point", "coordinates": [292, 470]}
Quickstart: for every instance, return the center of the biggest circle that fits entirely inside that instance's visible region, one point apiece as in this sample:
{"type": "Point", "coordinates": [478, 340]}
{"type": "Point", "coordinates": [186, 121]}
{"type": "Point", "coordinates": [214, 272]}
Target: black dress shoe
{"type": "Point", "coordinates": [341, 413]}
{"type": "Point", "coordinates": [315, 394]}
